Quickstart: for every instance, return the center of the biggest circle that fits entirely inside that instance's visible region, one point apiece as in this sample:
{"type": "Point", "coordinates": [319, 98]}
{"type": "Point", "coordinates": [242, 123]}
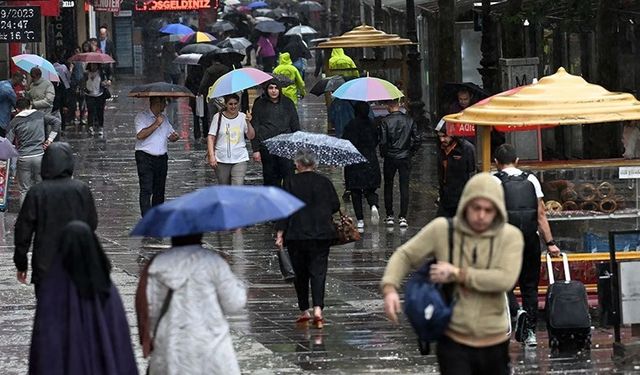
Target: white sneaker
{"type": "Point", "coordinates": [101, 133]}
{"type": "Point", "coordinates": [360, 224]}
{"type": "Point", "coordinates": [389, 221]}
{"type": "Point", "coordinates": [531, 338]}
{"type": "Point", "coordinates": [375, 215]}
{"type": "Point", "coordinates": [403, 223]}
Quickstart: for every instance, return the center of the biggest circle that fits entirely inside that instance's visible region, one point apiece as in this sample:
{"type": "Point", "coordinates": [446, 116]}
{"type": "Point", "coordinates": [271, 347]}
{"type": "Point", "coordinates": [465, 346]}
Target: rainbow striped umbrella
{"type": "Point", "coordinates": [236, 81]}
{"type": "Point", "coordinates": [198, 37]}
{"type": "Point", "coordinates": [27, 62]}
{"type": "Point", "coordinates": [368, 89]}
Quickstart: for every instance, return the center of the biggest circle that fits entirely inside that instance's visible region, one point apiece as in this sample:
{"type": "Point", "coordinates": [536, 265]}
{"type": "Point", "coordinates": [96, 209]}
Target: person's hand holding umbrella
{"type": "Point", "coordinates": [173, 137]}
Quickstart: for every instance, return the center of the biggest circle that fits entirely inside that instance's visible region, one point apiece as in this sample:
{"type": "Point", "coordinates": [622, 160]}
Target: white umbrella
{"type": "Point", "coordinates": [263, 19]}
{"type": "Point", "coordinates": [188, 59]}
{"type": "Point", "coordinates": [302, 30]}
{"type": "Point", "coordinates": [232, 2]}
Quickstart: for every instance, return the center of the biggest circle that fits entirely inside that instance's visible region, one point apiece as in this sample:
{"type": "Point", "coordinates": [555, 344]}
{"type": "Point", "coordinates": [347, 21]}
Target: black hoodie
{"type": "Point", "coordinates": [48, 207]}
{"type": "Point", "coordinates": [270, 119]}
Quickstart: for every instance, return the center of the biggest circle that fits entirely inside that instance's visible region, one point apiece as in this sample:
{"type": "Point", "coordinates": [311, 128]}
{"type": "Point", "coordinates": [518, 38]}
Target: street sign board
{"type": "Point", "coordinates": [174, 5]}
{"type": "Point", "coordinates": [20, 24]}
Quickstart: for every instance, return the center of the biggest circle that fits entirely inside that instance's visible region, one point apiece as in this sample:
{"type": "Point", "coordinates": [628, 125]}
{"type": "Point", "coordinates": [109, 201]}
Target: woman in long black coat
{"type": "Point", "coordinates": [363, 179]}
{"type": "Point", "coordinates": [308, 233]}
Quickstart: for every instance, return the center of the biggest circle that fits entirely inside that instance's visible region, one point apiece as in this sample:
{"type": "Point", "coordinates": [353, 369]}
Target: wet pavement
{"type": "Point", "coordinates": [357, 339]}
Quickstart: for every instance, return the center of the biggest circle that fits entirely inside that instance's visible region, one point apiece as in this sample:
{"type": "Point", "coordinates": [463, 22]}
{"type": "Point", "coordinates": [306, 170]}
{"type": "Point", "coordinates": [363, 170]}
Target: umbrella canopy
{"type": "Point", "coordinates": [7, 149]}
{"type": "Point", "coordinates": [92, 57]}
{"type": "Point", "coordinates": [450, 91]}
{"type": "Point", "coordinates": [200, 48]}
{"type": "Point", "coordinates": [368, 89]}
{"type": "Point", "coordinates": [232, 2]}
{"type": "Point", "coordinates": [276, 13]}
{"type": "Point", "coordinates": [558, 99]}
{"type": "Point", "coordinates": [263, 19]}
{"type": "Point", "coordinates": [198, 37]}
{"type": "Point", "coordinates": [27, 62]}
{"type": "Point", "coordinates": [240, 44]}
{"type": "Point", "coordinates": [236, 81]}
{"type": "Point", "coordinates": [243, 9]}
{"type": "Point", "coordinates": [222, 26]}
{"type": "Point", "coordinates": [282, 79]}
{"type": "Point", "coordinates": [302, 30]}
{"type": "Point", "coordinates": [258, 4]}
{"type": "Point", "coordinates": [229, 56]}
{"type": "Point", "coordinates": [188, 59]}
{"type": "Point", "coordinates": [310, 6]}
{"type": "Point", "coordinates": [328, 84]}
{"type": "Point", "coordinates": [176, 28]}
{"type": "Point", "coordinates": [262, 12]}
{"type": "Point", "coordinates": [217, 208]}
{"type": "Point", "coordinates": [270, 27]}
{"type": "Point", "coordinates": [160, 89]}
{"type": "Point", "coordinates": [172, 38]}
{"type": "Point", "coordinates": [289, 19]}
{"type": "Point", "coordinates": [329, 150]}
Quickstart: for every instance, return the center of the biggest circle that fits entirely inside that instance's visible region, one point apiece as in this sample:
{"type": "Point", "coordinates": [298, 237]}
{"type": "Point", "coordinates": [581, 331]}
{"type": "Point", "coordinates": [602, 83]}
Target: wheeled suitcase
{"type": "Point", "coordinates": [567, 311]}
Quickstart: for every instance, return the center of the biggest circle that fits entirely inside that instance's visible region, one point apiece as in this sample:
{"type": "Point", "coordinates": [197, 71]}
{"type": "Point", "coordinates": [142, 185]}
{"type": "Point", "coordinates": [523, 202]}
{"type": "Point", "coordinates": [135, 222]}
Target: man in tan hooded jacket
{"type": "Point", "coordinates": [486, 263]}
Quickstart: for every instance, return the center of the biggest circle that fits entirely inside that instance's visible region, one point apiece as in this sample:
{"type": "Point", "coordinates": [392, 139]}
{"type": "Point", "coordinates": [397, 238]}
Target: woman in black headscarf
{"type": "Point", "coordinates": [80, 325]}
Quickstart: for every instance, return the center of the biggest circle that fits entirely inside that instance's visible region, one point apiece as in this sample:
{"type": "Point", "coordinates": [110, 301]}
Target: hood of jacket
{"type": "Point", "coordinates": [57, 161]}
{"type": "Point", "coordinates": [337, 52]}
{"type": "Point", "coordinates": [285, 59]}
{"type": "Point", "coordinates": [174, 267]}
{"type": "Point", "coordinates": [482, 185]}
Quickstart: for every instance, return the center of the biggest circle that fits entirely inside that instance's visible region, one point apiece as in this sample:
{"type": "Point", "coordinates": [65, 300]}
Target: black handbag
{"type": "Point", "coordinates": [286, 267]}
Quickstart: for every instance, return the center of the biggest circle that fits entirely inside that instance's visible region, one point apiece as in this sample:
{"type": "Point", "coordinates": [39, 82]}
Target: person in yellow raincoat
{"type": "Point", "coordinates": [287, 69]}
{"type": "Point", "coordinates": [341, 64]}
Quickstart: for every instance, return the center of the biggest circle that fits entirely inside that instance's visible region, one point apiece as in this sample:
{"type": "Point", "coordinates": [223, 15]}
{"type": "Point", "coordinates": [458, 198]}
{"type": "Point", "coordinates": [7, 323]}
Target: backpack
{"type": "Point", "coordinates": [429, 306]}
{"type": "Point", "coordinates": [521, 201]}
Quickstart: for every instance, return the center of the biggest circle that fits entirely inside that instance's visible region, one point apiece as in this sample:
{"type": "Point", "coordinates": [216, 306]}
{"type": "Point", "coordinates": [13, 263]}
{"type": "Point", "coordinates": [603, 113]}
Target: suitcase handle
{"type": "Point", "coordinates": [565, 263]}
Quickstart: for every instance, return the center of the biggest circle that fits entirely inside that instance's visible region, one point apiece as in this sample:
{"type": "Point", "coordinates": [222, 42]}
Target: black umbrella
{"type": "Point", "coordinates": [160, 89]}
{"type": "Point", "coordinates": [450, 91]}
{"type": "Point", "coordinates": [228, 56]}
{"type": "Point", "coordinates": [277, 13]}
{"type": "Point", "coordinates": [239, 44]}
{"type": "Point", "coordinates": [289, 20]}
{"type": "Point", "coordinates": [262, 11]}
{"type": "Point", "coordinates": [270, 27]}
{"type": "Point", "coordinates": [328, 84]}
{"type": "Point", "coordinates": [222, 26]}
{"type": "Point", "coordinates": [310, 6]}
{"type": "Point", "coordinates": [282, 79]}
{"type": "Point", "coordinates": [201, 48]}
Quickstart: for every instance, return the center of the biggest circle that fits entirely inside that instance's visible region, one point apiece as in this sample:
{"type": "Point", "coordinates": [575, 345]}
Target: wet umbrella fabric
{"type": "Point", "coordinates": [236, 81]}
{"type": "Point", "coordinates": [302, 30]}
{"type": "Point", "coordinates": [263, 19]}
{"type": "Point", "coordinates": [176, 28]}
{"type": "Point", "coordinates": [282, 79]}
{"type": "Point", "coordinates": [7, 149]}
{"type": "Point", "coordinates": [217, 208]}
{"type": "Point", "coordinates": [28, 61]}
{"type": "Point", "coordinates": [310, 6]}
{"type": "Point", "coordinates": [262, 12]}
{"type": "Point", "coordinates": [198, 37]}
{"type": "Point", "coordinates": [200, 48]}
{"type": "Point", "coordinates": [172, 38]}
{"type": "Point", "coordinates": [329, 150]}
{"type": "Point", "coordinates": [235, 43]}
{"type": "Point", "coordinates": [258, 4]}
{"type": "Point", "coordinates": [270, 27]}
{"type": "Point", "coordinates": [450, 91]}
{"type": "Point", "coordinates": [222, 26]}
{"type": "Point", "coordinates": [368, 89]}
{"type": "Point", "coordinates": [160, 89]}
{"type": "Point", "coordinates": [92, 57]}
{"type": "Point", "coordinates": [328, 84]}
{"type": "Point", "coordinates": [188, 59]}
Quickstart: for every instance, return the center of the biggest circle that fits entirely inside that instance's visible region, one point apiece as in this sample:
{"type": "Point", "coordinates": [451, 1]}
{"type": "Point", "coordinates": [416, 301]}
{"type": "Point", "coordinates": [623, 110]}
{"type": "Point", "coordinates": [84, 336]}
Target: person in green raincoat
{"type": "Point", "coordinates": [287, 69]}
{"type": "Point", "coordinates": [341, 64]}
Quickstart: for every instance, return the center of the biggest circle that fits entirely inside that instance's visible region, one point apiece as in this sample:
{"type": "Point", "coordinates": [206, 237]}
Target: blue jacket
{"type": "Point", "coordinates": [7, 102]}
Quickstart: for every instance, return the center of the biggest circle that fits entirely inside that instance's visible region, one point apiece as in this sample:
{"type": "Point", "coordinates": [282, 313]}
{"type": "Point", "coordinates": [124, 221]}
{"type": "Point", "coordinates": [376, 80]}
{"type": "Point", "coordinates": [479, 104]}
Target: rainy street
{"type": "Point", "coordinates": [357, 338]}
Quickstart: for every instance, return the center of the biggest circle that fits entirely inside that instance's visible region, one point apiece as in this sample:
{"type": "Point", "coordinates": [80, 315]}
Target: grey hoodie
{"type": "Point", "coordinates": [28, 130]}
{"type": "Point", "coordinates": [42, 93]}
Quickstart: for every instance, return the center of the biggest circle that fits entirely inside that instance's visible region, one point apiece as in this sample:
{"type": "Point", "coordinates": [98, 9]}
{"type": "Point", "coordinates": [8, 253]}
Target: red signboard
{"type": "Point", "coordinates": [461, 130]}
{"type": "Point", "coordinates": [48, 8]}
{"type": "Point", "coordinates": [175, 5]}
{"type": "Point", "coordinates": [106, 5]}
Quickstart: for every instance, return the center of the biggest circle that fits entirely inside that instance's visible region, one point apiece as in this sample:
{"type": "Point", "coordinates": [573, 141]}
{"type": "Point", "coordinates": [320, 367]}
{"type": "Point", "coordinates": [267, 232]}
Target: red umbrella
{"type": "Point", "coordinates": [92, 57]}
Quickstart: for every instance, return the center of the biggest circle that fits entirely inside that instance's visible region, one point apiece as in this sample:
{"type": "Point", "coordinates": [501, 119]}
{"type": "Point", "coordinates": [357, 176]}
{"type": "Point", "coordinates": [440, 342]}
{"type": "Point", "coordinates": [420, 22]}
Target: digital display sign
{"type": "Point", "coordinates": [175, 5]}
{"type": "Point", "coordinates": [20, 24]}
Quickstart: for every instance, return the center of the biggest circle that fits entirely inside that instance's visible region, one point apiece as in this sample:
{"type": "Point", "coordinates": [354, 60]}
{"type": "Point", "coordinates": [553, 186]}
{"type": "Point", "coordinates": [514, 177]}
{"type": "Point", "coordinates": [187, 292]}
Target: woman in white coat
{"type": "Point", "coordinates": [189, 333]}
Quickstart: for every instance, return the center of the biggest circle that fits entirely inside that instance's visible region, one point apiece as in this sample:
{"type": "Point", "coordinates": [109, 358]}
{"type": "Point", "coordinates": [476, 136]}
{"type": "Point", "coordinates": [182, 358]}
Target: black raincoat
{"type": "Point", "coordinates": [48, 207]}
{"type": "Point", "coordinates": [363, 134]}
{"type": "Point", "coordinates": [270, 119]}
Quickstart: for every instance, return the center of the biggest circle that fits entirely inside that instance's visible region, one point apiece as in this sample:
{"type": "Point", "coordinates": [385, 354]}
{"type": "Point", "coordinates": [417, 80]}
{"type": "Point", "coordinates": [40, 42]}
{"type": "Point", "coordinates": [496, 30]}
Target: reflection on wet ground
{"type": "Point", "coordinates": [356, 338]}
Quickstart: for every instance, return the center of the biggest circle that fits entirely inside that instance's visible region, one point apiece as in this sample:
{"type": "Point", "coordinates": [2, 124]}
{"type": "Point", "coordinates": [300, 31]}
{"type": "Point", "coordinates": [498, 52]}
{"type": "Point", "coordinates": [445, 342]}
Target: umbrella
{"type": "Point", "coordinates": [262, 11]}
{"type": "Point", "coordinates": [263, 19]}
{"type": "Point", "coordinates": [222, 26]}
{"type": "Point", "coordinates": [27, 62]}
{"type": "Point", "coordinates": [240, 44]}
{"type": "Point", "coordinates": [92, 57]}
{"type": "Point", "coordinates": [176, 28]}
{"type": "Point", "coordinates": [288, 19]}
{"type": "Point", "coordinates": [282, 79]}
{"type": "Point", "coordinates": [258, 4]}
{"type": "Point", "coordinates": [188, 59]}
{"type": "Point", "coordinates": [232, 2]}
{"type": "Point", "coordinates": [198, 37]}
{"type": "Point", "coordinates": [270, 27]}
{"type": "Point", "coordinates": [160, 89]}
{"type": "Point", "coordinates": [310, 6]}
{"type": "Point", "coordinates": [7, 149]}
{"type": "Point", "coordinates": [173, 38]}
{"type": "Point", "coordinates": [200, 48]}
{"type": "Point", "coordinates": [328, 84]}
{"type": "Point", "coordinates": [217, 208]}
{"type": "Point", "coordinates": [276, 13]}
{"type": "Point", "coordinates": [236, 81]}
{"type": "Point", "coordinates": [329, 150]}
{"type": "Point", "coordinates": [368, 89]}
{"type": "Point", "coordinates": [302, 30]}
{"type": "Point", "coordinates": [243, 9]}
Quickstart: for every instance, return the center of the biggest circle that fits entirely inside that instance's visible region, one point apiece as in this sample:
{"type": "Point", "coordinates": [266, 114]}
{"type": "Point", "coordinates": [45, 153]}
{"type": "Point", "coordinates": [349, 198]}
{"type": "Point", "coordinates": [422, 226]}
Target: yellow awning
{"type": "Point", "coordinates": [558, 99]}
{"type": "Point", "coordinates": [364, 36]}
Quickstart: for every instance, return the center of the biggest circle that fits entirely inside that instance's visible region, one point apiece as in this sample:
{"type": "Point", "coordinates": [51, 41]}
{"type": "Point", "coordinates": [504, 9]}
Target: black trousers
{"type": "Point", "coordinates": [152, 175]}
{"type": "Point", "coordinates": [309, 259]}
{"type": "Point", "coordinates": [356, 200]}
{"type": "Point", "coordinates": [200, 124]}
{"type": "Point", "coordinates": [275, 168]}
{"type": "Point", "coordinates": [390, 167]}
{"type": "Point", "coordinates": [458, 359]}
{"type": "Point", "coordinates": [528, 280]}
{"type": "Point", "coordinates": [95, 111]}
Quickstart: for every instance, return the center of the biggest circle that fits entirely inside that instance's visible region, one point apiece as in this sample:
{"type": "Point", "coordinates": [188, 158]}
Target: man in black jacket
{"type": "Point", "coordinates": [399, 139]}
{"type": "Point", "coordinates": [456, 165]}
{"type": "Point", "coordinates": [47, 208]}
{"type": "Point", "coordinates": [273, 114]}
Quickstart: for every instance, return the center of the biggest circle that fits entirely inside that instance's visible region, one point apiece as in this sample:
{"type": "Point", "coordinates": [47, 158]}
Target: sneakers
{"type": "Point", "coordinates": [101, 132]}
{"type": "Point", "coordinates": [531, 339]}
{"type": "Point", "coordinates": [402, 222]}
{"type": "Point", "coordinates": [375, 215]}
{"type": "Point", "coordinates": [90, 130]}
{"type": "Point", "coordinates": [360, 224]}
{"type": "Point", "coordinates": [389, 221]}
{"type": "Point", "coordinates": [521, 321]}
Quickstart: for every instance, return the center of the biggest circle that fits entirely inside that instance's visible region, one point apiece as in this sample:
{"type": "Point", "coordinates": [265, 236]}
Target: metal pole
{"type": "Point", "coordinates": [414, 86]}
{"type": "Point", "coordinates": [92, 22]}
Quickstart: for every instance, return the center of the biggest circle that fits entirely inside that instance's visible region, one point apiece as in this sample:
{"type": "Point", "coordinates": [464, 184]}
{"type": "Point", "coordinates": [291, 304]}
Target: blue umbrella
{"type": "Point", "coordinates": [217, 208]}
{"type": "Point", "coordinates": [176, 28]}
{"type": "Point", "coordinates": [258, 4]}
